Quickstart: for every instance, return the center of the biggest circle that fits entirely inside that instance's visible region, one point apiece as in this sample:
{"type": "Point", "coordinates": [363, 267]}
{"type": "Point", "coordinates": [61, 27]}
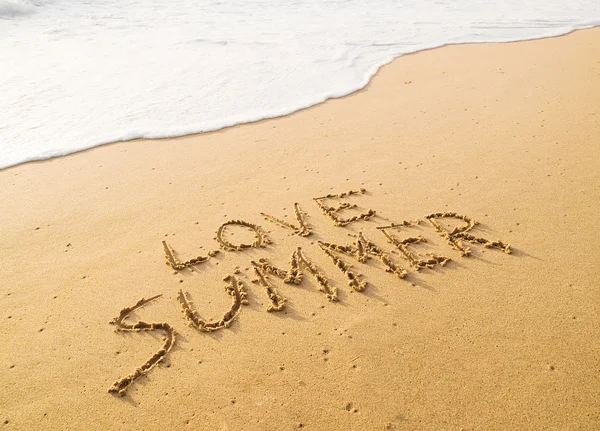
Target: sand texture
{"type": "Point", "coordinates": [421, 254]}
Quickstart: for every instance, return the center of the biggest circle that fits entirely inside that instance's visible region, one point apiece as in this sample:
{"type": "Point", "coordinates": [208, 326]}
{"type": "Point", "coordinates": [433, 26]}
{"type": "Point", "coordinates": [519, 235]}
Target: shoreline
{"type": "Point", "coordinates": [294, 111]}
{"type": "Point", "coordinates": [500, 134]}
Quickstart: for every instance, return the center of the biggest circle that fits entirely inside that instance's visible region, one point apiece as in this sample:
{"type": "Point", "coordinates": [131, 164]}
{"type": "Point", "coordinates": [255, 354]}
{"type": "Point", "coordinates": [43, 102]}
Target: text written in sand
{"type": "Point", "coordinates": [361, 249]}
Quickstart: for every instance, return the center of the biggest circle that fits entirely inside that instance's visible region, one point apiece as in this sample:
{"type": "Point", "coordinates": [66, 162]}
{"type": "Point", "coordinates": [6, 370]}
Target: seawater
{"type": "Point", "coordinates": [75, 74]}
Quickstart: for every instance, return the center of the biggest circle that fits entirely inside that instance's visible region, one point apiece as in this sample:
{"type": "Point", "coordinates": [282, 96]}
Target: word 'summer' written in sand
{"type": "Point", "coordinates": [361, 249]}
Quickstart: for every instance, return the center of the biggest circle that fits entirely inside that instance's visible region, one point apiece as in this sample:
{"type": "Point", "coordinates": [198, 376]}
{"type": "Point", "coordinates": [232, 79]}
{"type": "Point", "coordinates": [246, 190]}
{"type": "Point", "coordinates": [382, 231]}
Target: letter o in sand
{"type": "Point", "coordinates": [261, 238]}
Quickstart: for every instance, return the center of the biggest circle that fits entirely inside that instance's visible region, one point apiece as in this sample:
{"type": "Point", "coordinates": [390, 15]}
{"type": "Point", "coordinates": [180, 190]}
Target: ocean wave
{"type": "Point", "coordinates": [15, 8]}
{"type": "Point", "coordinates": [75, 75]}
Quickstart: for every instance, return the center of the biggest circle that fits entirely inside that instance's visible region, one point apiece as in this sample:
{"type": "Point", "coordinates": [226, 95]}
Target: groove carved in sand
{"type": "Point", "coordinates": [333, 212]}
{"type": "Point", "coordinates": [302, 228]}
{"type": "Point", "coordinates": [361, 250]}
{"type": "Point", "coordinates": [456, 236]}
{"type": "Point", "coordinates": [235, 288]}
{"type": "Point", "coordinates": [277, 301]}
{"type": "Point", "coordinates": [416, 262]}
{"type": "Point", "coordinates": [403, 223]}
{"type": "Point", "coordinates": [120, 386]}
{"type": "Point", "coordinates": [262, 240]}
{"type": "Point", "coordinates": [354, 280]}
{"type": "Point", "coordinates": [294, 274]}
{"type": "Point", "coordinates": [178, 265]}
{"type": "Point", "coordinates": [366, 247]}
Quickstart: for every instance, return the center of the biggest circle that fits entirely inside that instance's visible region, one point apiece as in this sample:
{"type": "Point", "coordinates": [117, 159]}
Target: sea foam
{"type": "Point", "coordinates": [14, 8]}
{"type": "Point", "coordinates": [74, 75]}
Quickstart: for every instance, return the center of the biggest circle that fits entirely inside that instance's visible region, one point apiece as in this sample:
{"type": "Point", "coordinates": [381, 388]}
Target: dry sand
{"type": "Point", "coordinates": [506, 134]}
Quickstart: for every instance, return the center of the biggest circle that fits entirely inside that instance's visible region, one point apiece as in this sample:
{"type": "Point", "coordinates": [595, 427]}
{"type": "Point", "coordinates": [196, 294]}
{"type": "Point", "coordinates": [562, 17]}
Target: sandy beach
{"type": "Point", "coordinates": [457, 152]}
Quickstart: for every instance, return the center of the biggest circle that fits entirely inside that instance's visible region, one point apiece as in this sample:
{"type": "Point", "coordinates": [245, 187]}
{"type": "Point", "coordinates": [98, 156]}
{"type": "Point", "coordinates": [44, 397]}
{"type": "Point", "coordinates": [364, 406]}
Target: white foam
{"type": "Point", "coordinates": [13, 8]}
{"type": "Point", "coordinates": [74, 74]}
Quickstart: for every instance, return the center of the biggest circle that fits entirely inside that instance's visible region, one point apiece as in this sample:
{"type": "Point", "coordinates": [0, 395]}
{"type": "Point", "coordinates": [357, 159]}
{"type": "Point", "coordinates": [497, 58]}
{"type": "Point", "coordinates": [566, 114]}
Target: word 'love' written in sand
{"type": "Point", "coordinates": [362, 249]}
